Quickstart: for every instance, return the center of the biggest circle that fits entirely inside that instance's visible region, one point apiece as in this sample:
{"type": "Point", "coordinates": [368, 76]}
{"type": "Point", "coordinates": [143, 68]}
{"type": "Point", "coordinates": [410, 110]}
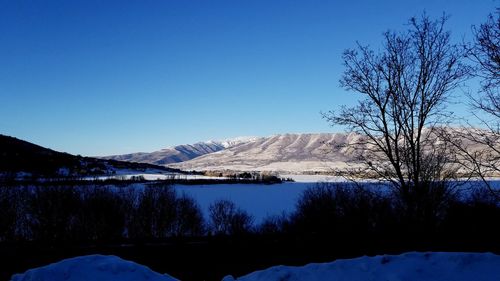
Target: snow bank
{"type": "Point", "coordinates": [95, 268]}
{"type": "Point", "coordinates": [405, 267]}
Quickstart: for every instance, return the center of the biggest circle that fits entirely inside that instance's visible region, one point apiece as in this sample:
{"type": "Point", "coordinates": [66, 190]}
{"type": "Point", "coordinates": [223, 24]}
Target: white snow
{"type": "Point", "coordinates": [294, 153]}
{"type": "Point", "coordinates": [93, 267]}
{"type": "Point", "coordinates": [406, 267]}
{"type": "Point", "coordinates": [23, 175]}
{"type": "Point", "coordinates": [157, 176]}
{"type": "Point", "coordinates": [313, 178]}
{"type": "Point", "coordinates": [259, 200]}
{"type": "Point", "coordinates": [227, 143]}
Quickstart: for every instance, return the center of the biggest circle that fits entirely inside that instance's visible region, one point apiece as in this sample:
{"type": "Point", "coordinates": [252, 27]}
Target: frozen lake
{"type": "Point", "coordinates": [259, 200]}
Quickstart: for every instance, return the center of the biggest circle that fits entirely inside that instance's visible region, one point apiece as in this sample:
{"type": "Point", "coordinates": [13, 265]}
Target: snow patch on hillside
{"type": "Point", "coordinates": [227, 143]}
{"type": "Point", "coordinates": [406, 267]}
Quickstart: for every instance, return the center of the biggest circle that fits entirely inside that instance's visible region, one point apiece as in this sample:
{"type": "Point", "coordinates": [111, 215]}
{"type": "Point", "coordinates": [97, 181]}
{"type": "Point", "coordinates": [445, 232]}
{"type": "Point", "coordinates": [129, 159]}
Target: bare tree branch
{"type": "Point", "coordinates": [405, 90]}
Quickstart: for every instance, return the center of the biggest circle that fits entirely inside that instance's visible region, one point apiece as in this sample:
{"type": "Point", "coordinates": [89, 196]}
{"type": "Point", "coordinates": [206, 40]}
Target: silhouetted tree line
{"type": "Point", "coordinates": [96, 213]}
{"type": "Point", "coordinates": [352, 209]}
{"type": "Point", "coordinates": [53, 214]}
{"type": "Point", "coordinates": [254, 176]}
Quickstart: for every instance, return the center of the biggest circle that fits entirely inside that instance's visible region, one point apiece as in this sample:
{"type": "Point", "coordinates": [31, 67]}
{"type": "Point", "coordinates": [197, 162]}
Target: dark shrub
{"type": "Point", "coordinates": [189, 218]}
{"type": "Point", "coordinates": [154, 213]}
{"type": "Point", "coordinates": [478, 216]}
{"type": "Point", "coordinates": [277, 224]}
{"type": "Point", "coordinates": [13, 213]}
{"type": "Point", "coordinates": [341, 208]}
{"type": "Point", "coordinates": [227, 219]}
{"type": "Point", "coordinates": [54, 213]}
{"type": "Point", "coordinates": [423, 208]}
{"type": "Point", "coordinates": [102, 215]}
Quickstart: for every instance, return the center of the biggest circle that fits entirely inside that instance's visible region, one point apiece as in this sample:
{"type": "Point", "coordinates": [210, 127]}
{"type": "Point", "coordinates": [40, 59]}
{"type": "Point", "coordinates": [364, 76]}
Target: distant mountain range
{"type": "Point", "coordinates": [286, 153]}
{"type": "Point", "coordinates": [181, 153]}
{"type": "Point", "coordinates": [25, 160]}
{"type": "Point", "coordinates": [293, 153]}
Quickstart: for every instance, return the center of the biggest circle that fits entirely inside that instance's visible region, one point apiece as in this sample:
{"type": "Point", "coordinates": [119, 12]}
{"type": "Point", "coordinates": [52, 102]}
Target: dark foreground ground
{"type": "Point", "coordinates": [211, 258]}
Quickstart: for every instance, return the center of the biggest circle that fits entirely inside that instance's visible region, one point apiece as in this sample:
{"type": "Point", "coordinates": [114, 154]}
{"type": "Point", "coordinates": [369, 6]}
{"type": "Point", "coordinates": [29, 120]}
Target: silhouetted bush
{"type": "Point", "coordinates": [159, 213]}
{"type": "Point", "coordinates": [53, 212]}
{"type": "Point", "coordinates": [477, 216]}
{"type": "Point", "coordinates": [227, 219]}
{"type": "Point", "coordinates": [12, 213]}
{"type": "Point", "coordinates": [423, 208]}
{"type": "Point", "coordinates": [277, 224]}
{"type": "Point", "coordinates": [341, 208]}
{"type": "Point", "coordinates": [189, 218]}
{"type": "Point", "coordinates": [102, 215]}
{"type": "Point", "coordinates": [154, 213]}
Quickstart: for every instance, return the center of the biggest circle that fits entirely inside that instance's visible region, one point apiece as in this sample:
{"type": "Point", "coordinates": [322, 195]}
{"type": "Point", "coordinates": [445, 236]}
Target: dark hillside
{"type": "Point", "coordinates": [18, 156]}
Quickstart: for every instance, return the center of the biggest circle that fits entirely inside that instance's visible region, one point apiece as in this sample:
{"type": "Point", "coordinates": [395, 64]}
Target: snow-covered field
{"type": "Point", "coordinates": [406, 267]}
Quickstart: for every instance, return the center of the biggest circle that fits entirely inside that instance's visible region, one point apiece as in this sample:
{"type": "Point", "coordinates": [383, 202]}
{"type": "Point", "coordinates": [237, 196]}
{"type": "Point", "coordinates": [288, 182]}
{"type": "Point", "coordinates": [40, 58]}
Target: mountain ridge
{"type": "Point", "coordinates": [180, 153]}
{"type": "Point", "coordinates": [290, 152]}
{"type": "Point", "coordinates": [293, 152]}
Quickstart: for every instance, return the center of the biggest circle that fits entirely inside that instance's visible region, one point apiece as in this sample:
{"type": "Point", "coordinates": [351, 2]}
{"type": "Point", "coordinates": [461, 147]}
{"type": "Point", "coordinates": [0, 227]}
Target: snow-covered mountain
{"type": "Point", "coordinates": [181, 153]}
{"type": "Point", "coordinates": [293, 153]}
{"type": "Point", "coordinates": [286, 153]}
{"type": "Point", "coordinates": [299, 153]}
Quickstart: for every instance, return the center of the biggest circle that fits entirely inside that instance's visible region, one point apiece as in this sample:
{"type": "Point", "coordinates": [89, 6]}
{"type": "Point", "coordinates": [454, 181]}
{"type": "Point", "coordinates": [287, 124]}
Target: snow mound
{"type": "Point", "coordinates": [93, 267]}
{"type": "Point", "coordinates": [406, 267]}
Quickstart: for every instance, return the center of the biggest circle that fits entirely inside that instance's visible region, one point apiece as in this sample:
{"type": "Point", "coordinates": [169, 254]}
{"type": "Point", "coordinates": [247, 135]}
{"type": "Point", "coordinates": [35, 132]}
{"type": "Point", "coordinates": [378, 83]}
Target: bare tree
{"type": "Point", "coordinates": [154, 213]}
{"type": "Point", "coordinates": [189, 218]}
{"type": "Point", "coordinates": [227, 219]}
{"type": "Point", "coordinates": [484, 159]}
{"type": "Point", "coordinates": [405, 89]}
{"type": "Point", "coordinates": [485, 51]}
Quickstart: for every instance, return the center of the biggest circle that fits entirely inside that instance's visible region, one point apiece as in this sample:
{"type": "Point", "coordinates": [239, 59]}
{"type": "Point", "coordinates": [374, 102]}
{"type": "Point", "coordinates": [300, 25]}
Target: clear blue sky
{"type": "Point", "coordinates": [96, 77]}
